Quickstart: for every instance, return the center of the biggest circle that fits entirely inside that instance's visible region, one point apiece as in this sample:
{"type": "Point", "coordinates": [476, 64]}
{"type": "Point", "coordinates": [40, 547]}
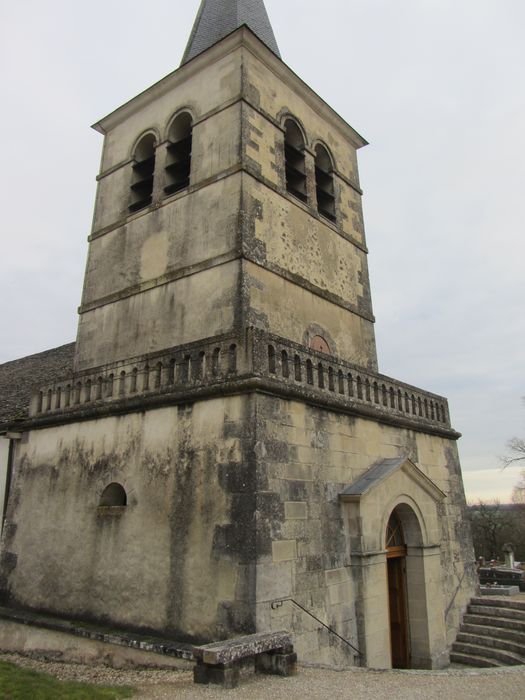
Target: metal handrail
{"type": "Point", "coordinates": [278, 603]}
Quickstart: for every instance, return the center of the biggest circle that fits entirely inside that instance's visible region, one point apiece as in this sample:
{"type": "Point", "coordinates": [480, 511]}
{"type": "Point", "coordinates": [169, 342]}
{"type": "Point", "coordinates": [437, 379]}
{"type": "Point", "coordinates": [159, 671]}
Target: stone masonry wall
{"type": "Point", "coordinates": [178, 559]}
{"type": "Point", "coordinates": [306, 457]}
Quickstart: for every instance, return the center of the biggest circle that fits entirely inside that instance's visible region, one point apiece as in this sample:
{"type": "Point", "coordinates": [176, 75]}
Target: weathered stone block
{"type": "Point", "coordinates": [277, 664]}
{"type": "Point", "coordinates": [284, 550]}
{"type": "Point", "coordinates": [296, 510]}
{"type": "Point", "coordinates": [226, 676]}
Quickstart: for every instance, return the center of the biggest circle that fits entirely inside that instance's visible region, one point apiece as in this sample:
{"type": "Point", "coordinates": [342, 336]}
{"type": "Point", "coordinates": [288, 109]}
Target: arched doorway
{"type": "Point", "coordinates": [393, 514]}
{"type": "Point", "coordinates": [397, 592]}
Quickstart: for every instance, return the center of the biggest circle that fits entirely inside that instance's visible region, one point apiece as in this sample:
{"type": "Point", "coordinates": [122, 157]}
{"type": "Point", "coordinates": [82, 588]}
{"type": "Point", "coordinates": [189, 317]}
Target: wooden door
{"type": "Point", "coordinates": [397, 593]}
{"type": "Point", "coordinates": [398, 612]}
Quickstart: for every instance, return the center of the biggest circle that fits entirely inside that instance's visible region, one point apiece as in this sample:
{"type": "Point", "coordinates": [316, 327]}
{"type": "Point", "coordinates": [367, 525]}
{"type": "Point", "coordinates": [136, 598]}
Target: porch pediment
{"type": "Point", "coordinates": [384, 470]}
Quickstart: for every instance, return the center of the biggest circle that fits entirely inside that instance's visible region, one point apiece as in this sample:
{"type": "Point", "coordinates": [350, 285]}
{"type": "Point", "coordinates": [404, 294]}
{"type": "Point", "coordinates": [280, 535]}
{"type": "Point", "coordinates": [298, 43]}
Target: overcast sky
{"type": "Point", "coordinates": [437, 88]}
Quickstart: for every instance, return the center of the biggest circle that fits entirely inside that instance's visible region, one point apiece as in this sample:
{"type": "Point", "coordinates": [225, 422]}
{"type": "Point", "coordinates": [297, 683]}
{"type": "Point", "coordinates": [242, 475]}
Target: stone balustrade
{"type": "Point", "coordinates": [330, 375]}
{"type": "Point", "coordinates": [256, 355]}
{"type": "Point", "coordinates": [198, 364]}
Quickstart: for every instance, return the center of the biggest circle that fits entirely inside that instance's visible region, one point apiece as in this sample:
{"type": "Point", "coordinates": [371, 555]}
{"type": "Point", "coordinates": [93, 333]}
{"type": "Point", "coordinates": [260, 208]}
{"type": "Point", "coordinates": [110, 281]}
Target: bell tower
{"type": "Point", "coordinates": [228, 198]}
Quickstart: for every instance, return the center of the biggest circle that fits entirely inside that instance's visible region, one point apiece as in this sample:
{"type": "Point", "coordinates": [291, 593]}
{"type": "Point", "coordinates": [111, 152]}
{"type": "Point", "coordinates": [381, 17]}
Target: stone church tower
{"type": "Point", "coordinates": [225, 450]}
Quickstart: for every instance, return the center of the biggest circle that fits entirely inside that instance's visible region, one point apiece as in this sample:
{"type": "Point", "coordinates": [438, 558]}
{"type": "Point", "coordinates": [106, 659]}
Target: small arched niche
{"type": "Point", "coordinates": [324, 183]}
{"type": "Point", "coordinates": [143, 171]}
{"type": "Point", "coordinates": [320, 344]}
{"type": "Point", "coordinates": [178, 162]}
{"type": "Point", "coordinates": [113, 496]}
{"type": "Point", "coordinates": [295, 169]}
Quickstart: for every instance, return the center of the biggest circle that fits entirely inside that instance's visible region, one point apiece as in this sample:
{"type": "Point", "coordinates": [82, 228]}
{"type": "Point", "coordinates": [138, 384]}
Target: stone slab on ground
{"type": "Point", "coordinates": [238, 648]}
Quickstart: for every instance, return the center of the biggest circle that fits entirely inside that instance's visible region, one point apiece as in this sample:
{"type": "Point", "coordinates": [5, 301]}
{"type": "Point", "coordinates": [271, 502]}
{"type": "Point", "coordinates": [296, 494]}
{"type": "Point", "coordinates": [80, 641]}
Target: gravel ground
{"type": "Point", "coordinates": [357, 684]}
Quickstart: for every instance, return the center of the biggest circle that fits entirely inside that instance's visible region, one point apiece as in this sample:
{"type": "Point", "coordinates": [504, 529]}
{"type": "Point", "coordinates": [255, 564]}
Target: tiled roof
{"type": "Point", "coordinates": [218, 18]}
{"type": "Point", "coordinates": [20, 377]}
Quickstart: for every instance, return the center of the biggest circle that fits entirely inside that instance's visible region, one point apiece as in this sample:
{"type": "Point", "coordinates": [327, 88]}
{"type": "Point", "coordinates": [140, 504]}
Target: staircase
{"type": "Point", "coordinates": [492, 634]}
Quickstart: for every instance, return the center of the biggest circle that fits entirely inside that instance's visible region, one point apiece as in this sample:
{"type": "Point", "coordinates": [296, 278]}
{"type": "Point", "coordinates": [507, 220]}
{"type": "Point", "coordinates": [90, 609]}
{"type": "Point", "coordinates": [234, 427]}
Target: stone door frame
{"type": "Point", "coordinates": [399, 485]}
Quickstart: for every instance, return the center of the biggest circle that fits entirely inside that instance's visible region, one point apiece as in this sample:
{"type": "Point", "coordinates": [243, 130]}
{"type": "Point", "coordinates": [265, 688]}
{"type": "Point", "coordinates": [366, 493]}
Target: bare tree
{"type": "Point", "coordinates": [516, 447]}
{"type": "Point", "coordinates": [518, 492]}
{"type": "Point", "coordinates": [491, 527]}
{"type": "Point", "coordinates": [516, 451]}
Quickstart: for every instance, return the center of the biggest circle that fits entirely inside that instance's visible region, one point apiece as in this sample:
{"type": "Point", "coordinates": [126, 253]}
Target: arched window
{"type": "Point", "coordinates": [395, 537]}
{"type": "Point", "coordinates": [143, 169]}
{"type": "Point", "coordinates": [178, 164]}
{"type": "Point", "coordinates": [113, 495]}
{"type": "Point", "coordinates": [295, 168]}
{"type": "Point", "coordinates": [324, 183]}
{"type": "Point", "coordinates": [319, 344]}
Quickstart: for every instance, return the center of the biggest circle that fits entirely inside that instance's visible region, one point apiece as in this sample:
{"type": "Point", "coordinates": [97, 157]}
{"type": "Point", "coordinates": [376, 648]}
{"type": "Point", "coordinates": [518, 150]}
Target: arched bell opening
{"type": "Point", "coordinates": [143, 170]}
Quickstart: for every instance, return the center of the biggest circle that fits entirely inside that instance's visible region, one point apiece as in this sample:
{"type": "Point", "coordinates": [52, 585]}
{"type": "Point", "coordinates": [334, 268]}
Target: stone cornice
{"type": "Point", "coordinates": [242, 37]}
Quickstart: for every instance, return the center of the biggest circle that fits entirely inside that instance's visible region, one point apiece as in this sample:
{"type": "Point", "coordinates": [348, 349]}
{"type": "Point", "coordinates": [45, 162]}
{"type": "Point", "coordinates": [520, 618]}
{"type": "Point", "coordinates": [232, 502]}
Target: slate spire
{"type": "Point", "coordinates": [218, 18]}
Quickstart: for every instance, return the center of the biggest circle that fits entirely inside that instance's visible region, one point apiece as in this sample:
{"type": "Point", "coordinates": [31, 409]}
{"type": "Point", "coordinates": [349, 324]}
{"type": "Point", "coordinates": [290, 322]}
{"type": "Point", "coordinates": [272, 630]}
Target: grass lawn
{"type": "Point", "coordinates": [21, 684]}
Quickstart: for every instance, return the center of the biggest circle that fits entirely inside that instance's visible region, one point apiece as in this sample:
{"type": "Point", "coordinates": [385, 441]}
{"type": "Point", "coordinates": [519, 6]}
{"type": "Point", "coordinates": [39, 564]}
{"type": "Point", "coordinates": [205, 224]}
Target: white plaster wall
{"type": "Point", "coordinates": [4, 455]}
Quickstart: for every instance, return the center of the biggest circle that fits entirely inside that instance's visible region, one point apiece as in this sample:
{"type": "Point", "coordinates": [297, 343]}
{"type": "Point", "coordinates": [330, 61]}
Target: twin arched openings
{"type": "Point", "coordinates": [177, 168]}
{"type": "Point", "coordinates": [295, 170]}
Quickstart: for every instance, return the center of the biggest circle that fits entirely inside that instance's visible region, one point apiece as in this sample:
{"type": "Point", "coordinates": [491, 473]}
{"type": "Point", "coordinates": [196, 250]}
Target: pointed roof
{"type": "Point", "coordinates": [382, 470]}
{"type": "Point", "coordinates": [218, 18]}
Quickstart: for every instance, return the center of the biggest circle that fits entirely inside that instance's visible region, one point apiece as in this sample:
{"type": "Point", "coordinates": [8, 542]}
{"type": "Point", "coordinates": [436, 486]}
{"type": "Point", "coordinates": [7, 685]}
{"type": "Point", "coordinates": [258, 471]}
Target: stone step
{"type": "Point", "coordinates": [499, 632]}
{"type": "Point", "coordinates": [473, 660]}
{"type": "Point", "coordinates": [497, 602]}
{"type": "Point", "coordinates": [503, 622]}
{"type": "Point", "coordinates": [493, 611]}
{"type": "Point", "coordinates": [505, 658]}
{"type": "Point", "coordinates": [493, 643]}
